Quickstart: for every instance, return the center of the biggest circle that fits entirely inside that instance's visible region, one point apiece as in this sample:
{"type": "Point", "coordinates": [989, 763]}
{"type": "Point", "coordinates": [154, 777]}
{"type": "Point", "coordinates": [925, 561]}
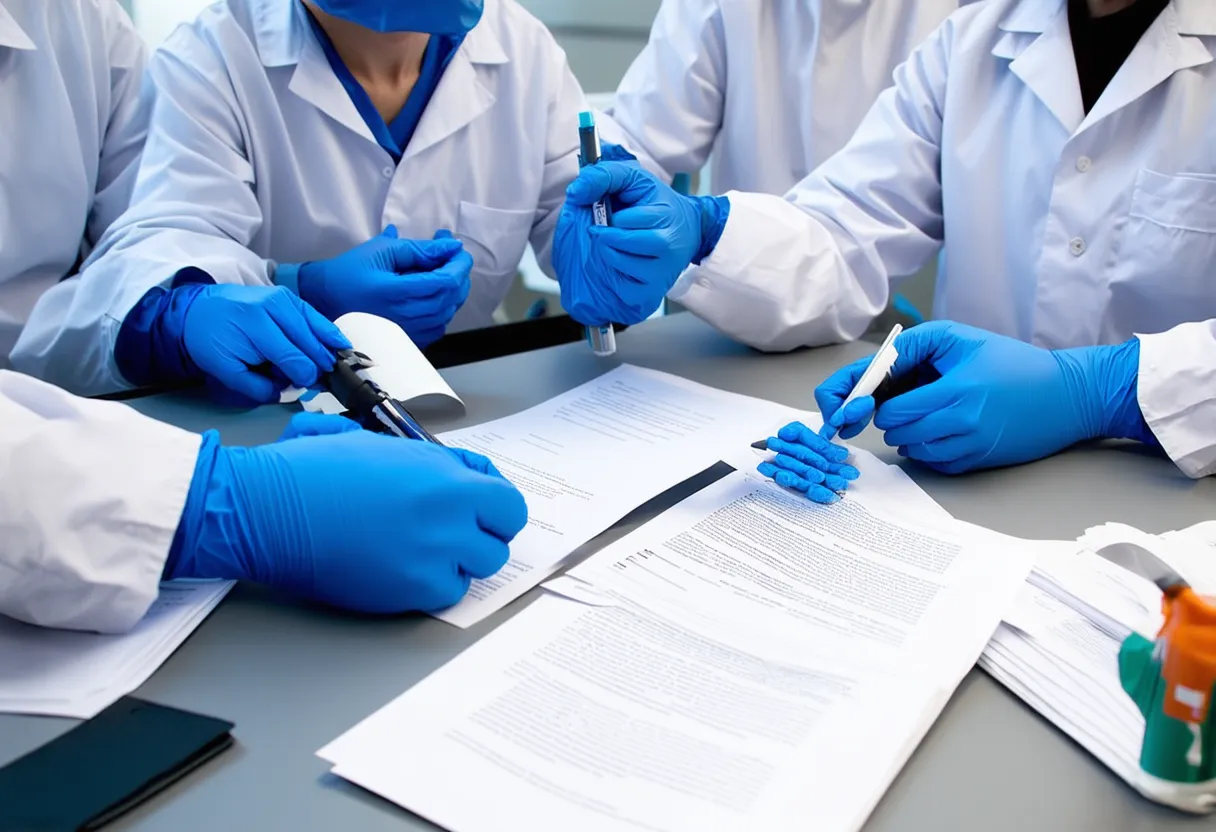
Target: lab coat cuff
{"type": "Point", "coordinates": [1176, 376]}
{"type": "Point", "coordinates": [736, 244]}
{"type": "Point", "coordinates": [287, 275]}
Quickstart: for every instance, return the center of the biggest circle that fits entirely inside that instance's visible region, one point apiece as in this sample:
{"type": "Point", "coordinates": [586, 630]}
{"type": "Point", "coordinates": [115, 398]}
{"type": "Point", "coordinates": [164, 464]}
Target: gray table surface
{"type": "Point", "coordinates": [294, 677]}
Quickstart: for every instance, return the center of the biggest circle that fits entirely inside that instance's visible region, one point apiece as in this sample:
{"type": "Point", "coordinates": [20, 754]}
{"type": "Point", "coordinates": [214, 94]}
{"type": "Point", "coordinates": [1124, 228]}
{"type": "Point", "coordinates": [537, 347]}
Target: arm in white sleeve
{"type": "Point", "coordinates": [1176, 388]}
{"type": "Point", "coordinates": [127, 126]}
{"type": "Point", "coordinates": [90, 497]}
{"type": "Point", "coordinates": [816, 266]}
{"type": "Point", "coordinates": [195, 204]}
{"type": "Point", "coordinates": [561, 153]}
{"type": "Point", "coordinates": [668, 108]}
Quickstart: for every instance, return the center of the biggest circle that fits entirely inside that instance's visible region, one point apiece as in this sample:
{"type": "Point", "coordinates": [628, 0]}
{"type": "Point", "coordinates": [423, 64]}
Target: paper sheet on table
{"type": "Point", "coordinates": [74, 674]}
{"type": "Point", "coordinates": [778, 683]}
{"type": "Point", "coordinates": [401, 369]}
{"type": "Point", "coordinates": [587, 458]}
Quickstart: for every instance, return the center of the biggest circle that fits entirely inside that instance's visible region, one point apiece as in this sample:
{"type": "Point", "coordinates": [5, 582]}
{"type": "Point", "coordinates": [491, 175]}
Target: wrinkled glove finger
{"type": "Point", "coordinates": [799, 434]}
{"type": "Point", "coordinates": [946, 450]}
{"type": "Point", "coordinates": [225, 394]}
{"type": "Point", "coordinates": [484, 556]}
{"type": "Point", "coordinates": [441, 591]}
{"type": "Point", "coordinates": [830, 395]}
{"type": "Point", "coordinates": [476, 462]}
{"type": "Point", "coordinates": [323, 329]}
{"type": "Point", "coordinates": [277, 348]}
{"type": "Point", "coordinates": [786, 479]}
{"type": "Point", "coordinates": [500, 507]}
{"type": "Point", "coordinates": [931, 428]}
{"type": "Point", "coordinates": [252, 386]}
{"type": "Point", "coordinates": [810, 458]}
{"type": "Point", "coordinates": [297, 341]}
{"type": "Point", "coordinates": [644, 243]}
{"type": "Point", "coordinates": [810, 473]}
{"type": "Point", "coordinates": [850, 420]}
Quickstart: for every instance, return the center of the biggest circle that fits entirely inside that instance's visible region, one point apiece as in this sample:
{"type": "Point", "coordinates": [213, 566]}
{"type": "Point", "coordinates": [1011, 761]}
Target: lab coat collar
{"type": "Point", "coordinates": [12, 35]}
{"type": "Point", "coordinates": [1036, 39]}
{"type": "Point", "coordinates": [316, 82]}
{"type": "Point", "coordinates": [462, 94]}
{"type": "Point", "coordinates": [1163, 50]}
{"type": "Point", "coordinates": [1196, 17]}
{"type": "Point", "coordinates": [1032, 16]}
{"type": "Point", "coordinates": [280, 29]}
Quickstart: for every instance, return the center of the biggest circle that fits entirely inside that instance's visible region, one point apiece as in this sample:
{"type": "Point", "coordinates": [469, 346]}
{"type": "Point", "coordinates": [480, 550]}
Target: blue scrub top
{"type": "Point", "coordinates": [394, 137]}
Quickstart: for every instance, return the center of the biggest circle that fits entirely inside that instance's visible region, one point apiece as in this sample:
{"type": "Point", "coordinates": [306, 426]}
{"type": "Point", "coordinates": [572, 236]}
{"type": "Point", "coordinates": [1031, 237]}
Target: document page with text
{"type": "Point", "coordinates": [748, 660]}
{"type": "Point", "coordinates": [587, 458]}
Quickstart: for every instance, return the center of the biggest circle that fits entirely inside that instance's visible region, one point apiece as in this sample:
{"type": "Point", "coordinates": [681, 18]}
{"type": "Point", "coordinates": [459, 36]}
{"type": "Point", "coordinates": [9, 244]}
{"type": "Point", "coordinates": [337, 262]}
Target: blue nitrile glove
{"type": "Point", "coordinates": [808, 464]}
{"type": "Point", "coordinates": [252, 340]}
{"type": "Point", "coordinates": [987, 400]}
{"type": "Point", "coordinates": [318, 424]}
{"type": "Point", "coordinates": [621, 274]}
{"type": "Point", "coordinates": [417, 284]}
{"type": "Point", "coordinates": [356, 520]}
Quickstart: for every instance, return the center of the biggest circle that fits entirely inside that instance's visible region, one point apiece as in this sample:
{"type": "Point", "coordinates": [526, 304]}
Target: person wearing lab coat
{"type": "Point", "coordinates": [366, 155]}
{"type": "Point", "coordinates": [98, 504]}
{"type": "Point", "coordinates": [73, 126]}
{"type": "Point", "coordinates": [763, 92]}
{"type": "Point", "coordinates": [1062, 152]}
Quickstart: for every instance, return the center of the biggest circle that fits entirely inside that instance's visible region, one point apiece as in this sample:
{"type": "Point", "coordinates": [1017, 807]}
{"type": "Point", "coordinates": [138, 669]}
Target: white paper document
{"type": "Point", "coordinates": [748, 660]}
{"type": "Point", "coordinates": [587, 458]}
{"type": "Point", "coordinates": [401, 370]}
{"type": "Point", "coordinates": [73, 674]}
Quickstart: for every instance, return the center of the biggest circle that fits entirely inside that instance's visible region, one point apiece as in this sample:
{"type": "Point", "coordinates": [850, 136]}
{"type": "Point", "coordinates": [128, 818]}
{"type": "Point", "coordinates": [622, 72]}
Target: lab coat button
{"type": "Point", "coordinates": [1084, 163]}
{"type": "Point", "coordinates": [1077, 246]}
{"type": "Point", "coordinates": [388, 172]}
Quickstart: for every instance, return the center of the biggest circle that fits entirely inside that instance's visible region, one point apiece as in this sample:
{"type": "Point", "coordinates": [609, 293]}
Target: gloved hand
{"type": "Point", "coordinates": [229, 332]}
{"type": "Point", "coordinates": [620, 274]}
{"type": "Point", "coordinates": [417, 284]}
{"type": "Point", "coordinates": [357, 520]}
{"type": "Point", "coordinates": [808, 464]}
{"type": "Point", "coordinates": [983, 400]}
{"type": "Point", "coordinates": [318, 424]}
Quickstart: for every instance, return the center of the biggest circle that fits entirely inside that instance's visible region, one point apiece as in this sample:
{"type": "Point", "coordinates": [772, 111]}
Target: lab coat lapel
{"type": "Point", "coordinates": [315, 81]}
{"type": "Point", "coordinates": [1164, 49]}
{"type": "Point", "coordinates": [1046, 63]}
{"type": "Point", "coordinates": [12, 35]}
{"type": "Point", "coordinates": [462, 94]}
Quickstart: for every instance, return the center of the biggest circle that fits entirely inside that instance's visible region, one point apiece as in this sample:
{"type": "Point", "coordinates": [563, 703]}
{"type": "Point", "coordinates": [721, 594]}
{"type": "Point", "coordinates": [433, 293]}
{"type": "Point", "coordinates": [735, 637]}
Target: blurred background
{"type": "Point", "coordinates": [601, 40]}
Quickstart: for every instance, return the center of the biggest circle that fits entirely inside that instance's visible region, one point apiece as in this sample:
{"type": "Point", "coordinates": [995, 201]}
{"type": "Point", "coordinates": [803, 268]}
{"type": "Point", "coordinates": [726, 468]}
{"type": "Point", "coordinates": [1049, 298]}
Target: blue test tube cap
{"type": "Point", "coordinates": [585, 120]}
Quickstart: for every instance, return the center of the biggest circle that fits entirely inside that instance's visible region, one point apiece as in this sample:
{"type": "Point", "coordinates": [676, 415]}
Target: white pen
{"type": "Point", "coordinates": [876, 373]}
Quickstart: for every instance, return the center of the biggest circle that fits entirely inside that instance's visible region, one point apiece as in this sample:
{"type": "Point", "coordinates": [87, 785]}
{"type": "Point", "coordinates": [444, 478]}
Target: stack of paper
{"type": "Point", "coordinates": [587, 458]}
{"type": "Point", "coordinates": [747, 660]}
{"type": "Point", "coordinates": [73, 674]}
{"type": "Point", "coordinates": [1058, 649]}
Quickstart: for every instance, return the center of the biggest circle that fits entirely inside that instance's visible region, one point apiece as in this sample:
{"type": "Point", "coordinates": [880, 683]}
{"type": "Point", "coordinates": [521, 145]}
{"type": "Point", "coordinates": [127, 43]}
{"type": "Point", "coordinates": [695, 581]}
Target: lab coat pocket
{"type": "Point", "coordinates": [1162, 269]}
{"type": "Point", "coordinates": [496, 237]}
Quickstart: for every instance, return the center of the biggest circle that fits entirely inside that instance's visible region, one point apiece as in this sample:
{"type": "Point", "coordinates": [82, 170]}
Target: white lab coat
{"type": "Point", "coordinates": [771, 89]}
{"type": "Point", "coordinates": [71, 129]}
{"type": "Point", "coordinates": [257, 156]}
{"type": "Point", "coordinates": [90, 497]}
{"type": "Point", "coordinates": [1060, 228]}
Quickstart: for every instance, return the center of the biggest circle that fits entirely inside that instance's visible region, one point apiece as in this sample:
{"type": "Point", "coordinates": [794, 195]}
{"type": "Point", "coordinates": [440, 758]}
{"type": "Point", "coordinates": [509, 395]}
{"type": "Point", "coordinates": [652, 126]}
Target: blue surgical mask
{"type": "Point", "coordinates": [436, 17]}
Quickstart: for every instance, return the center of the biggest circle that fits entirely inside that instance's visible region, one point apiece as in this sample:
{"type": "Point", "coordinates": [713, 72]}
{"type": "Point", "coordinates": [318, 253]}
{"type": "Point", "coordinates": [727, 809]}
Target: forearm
{"type": "Point", "coordinates": [777, 280]}
{"type": "Point", "coordinates": [89, 502]}
{"type": "Point", "coordinates": [1176, 392]}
